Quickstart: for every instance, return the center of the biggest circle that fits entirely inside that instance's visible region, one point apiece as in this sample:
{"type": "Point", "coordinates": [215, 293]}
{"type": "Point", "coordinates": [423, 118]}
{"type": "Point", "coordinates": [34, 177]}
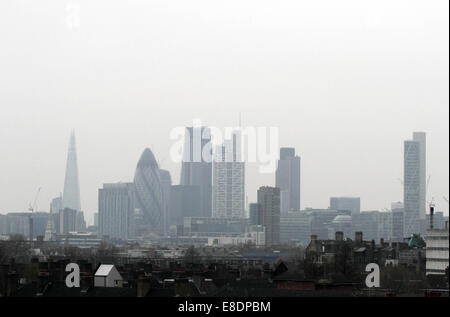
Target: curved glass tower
{"type": "Point", "coordinates": [148, 193]}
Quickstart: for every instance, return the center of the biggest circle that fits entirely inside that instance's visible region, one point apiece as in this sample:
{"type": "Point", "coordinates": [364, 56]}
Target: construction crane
{"type": "Point", "coordinates": [32, 208]}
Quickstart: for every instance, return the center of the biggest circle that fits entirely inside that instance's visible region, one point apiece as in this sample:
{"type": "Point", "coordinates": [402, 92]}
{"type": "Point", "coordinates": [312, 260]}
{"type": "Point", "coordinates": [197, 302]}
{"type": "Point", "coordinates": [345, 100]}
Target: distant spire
{"type": "Point", "coordinates": [71, 196]}
{"type": "Point", "coordinates": [50, 228]}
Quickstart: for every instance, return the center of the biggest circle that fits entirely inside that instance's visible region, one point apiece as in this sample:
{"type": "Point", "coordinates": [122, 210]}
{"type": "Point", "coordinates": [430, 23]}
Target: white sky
{"type": "Point", "coordinates": [345, 81]}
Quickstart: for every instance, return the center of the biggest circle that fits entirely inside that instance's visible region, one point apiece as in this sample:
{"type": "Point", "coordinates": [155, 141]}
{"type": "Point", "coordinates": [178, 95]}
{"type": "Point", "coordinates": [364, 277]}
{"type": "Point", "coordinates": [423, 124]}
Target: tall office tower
{"type": "Point", "coordinates": [287, 179]}
{"type": "Point", "coordinates": [166, 184]}
{"type": "Point", "coordinates": [67, 220]}
{"type": "Point", "coordinates": [148, 194]}
{"type": "Point", "coordinates": [352, 204]}
{"type": "Point", "coordinates": [422, 139]}
{"type": "Point", "coordinates": [269, 200]}
{"type": "Point", "coordinates": [184, 202]}
{"type": "Point", "coordinates": [196, 168]}
{"type": "Point", "coordinates": [228, 197]}
{"type": "Point", "coordinates": [116, 210]}
{"type": "Point", "coordinates": [414, 183]}
{"type": "Point", "coordinates": [71, 196]}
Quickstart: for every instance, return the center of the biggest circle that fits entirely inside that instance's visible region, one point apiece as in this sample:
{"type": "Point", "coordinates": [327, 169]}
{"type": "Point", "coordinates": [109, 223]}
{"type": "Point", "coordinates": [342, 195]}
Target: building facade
{"type": "Point", "coordinates": [196, 167]}
{"type": "Point", "coordinates": [255, 216]}
{"type": "Point", "coordinates": [228, 199]}
{"type": "Point", "coordinates": [116, 210]}
{"type": "Point", "coordinates": [397, 224]}
{"type": "Point", "coordinates": [414, 184]}
{"type": "Point", "coordinates": [166, 184]}
{"type": "Point", "coordinates": [287, 179]}
{"type": "Point", "coordinates": [295, 227]}
{"type": "Point", "coordinates": [67, 220]}
{"type": "Point", "coordinates": [269, 200]}
{"type": "Point", "coordinates": [214, 227]}
{"type": "Point", "coordinates": [352, 204]}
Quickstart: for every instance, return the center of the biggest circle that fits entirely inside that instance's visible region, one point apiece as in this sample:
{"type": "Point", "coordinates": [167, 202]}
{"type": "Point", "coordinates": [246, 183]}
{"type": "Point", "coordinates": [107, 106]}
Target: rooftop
{"type": "Point", "coordinates": [104, 270]}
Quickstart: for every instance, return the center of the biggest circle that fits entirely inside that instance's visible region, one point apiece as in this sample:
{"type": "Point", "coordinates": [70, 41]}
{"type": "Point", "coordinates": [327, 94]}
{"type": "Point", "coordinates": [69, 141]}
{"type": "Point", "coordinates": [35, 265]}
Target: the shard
{"type": "Point", "coordinates": [71, 195]}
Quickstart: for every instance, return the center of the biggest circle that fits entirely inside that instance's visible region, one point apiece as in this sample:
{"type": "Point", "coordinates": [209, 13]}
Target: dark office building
{"type": "Point", "coordinates": [287, 179]}
{"type": "Point", "coordinates": [196, 170]}
{"type": "Point", "coordinates": [269, 200]}
{"type": "Point", "coordinates": [184, 202]}
{"type": "Point", "coordinates": [255, 214]}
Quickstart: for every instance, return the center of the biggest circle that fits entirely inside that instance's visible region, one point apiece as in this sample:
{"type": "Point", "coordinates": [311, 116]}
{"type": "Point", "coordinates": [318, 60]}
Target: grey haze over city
{"type": "Point", "coordinates": [346, 83]}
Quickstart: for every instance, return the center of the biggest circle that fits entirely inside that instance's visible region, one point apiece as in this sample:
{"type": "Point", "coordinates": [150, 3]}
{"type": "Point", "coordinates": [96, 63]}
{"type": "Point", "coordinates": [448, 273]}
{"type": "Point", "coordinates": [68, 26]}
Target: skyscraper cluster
{"type": "Point", "coordinates": [212, 191]}
{"type": "Point", "coordinates": [212, 186]}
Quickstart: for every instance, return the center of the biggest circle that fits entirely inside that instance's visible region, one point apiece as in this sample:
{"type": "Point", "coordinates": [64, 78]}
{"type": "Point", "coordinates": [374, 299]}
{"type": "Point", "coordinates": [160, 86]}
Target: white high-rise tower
{"type": "Point", "coordinates": [228, 197]}
{"type": "Point", "coordinates": [414, 184]}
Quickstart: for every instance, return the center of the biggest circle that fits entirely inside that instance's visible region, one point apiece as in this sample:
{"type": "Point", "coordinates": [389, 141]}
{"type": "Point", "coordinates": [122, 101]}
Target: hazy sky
{"type": "Point", "coordinates": [345, 81]}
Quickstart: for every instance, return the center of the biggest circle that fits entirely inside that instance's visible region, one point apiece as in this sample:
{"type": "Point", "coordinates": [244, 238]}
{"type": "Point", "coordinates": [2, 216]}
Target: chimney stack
{"type": "Point", "coordinates": [339, 236]}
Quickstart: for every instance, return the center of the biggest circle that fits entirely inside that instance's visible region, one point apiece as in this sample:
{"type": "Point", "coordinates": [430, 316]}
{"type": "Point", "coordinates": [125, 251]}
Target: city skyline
{"type": "Point", "coordinates": [218, 156]}
{"type": "Point", "coordinates": [72, 156]}
{"type": "Point", "coordinates": [346, 83]}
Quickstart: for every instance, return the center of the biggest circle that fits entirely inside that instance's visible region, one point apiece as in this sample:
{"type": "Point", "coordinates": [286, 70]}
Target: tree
{"type": "Point", "coordinates": [15, 248]}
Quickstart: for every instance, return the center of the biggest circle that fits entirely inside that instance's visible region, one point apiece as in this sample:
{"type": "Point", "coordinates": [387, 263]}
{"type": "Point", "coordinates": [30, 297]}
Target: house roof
{"type": "Point", "coordinates": [104, 270]}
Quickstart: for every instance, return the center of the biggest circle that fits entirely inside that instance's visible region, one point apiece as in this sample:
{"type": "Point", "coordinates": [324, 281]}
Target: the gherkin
{"type": "Point", "coordinates": [148, 193]}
